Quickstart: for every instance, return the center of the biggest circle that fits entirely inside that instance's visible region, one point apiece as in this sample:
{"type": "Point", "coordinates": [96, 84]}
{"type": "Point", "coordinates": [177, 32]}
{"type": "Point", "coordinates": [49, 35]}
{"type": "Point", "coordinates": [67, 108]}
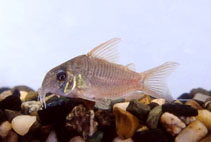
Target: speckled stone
{"type": "Point", "coordinates": [126, 123]}
{"type": "Point", "coordinates": [104, 117]}
{"type": "Point", "coordinates": [194, 132]}
{"type": "Point", "coordinates": [82, 120]}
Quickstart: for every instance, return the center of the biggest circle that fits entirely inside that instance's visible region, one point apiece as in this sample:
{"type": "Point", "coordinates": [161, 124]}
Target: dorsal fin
{"type": "Point", "coordinates": [106, 51]}
{"type": "Point", "coordinates": [131, 66]}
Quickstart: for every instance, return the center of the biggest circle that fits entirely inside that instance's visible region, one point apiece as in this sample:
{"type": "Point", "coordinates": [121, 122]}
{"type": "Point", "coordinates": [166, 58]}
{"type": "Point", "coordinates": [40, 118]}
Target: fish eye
{"type": "Point", "coordinates": [61, 75]}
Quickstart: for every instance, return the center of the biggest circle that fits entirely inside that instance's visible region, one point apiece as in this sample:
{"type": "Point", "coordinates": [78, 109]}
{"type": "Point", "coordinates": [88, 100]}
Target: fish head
{"type": "Point", "coordinates": [59, 81]}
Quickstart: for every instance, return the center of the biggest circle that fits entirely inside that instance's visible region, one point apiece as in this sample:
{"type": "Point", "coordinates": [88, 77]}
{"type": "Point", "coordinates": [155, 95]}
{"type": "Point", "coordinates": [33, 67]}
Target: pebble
{"type": "Point", "coordinates": [126, 123]}
{"type": "Point", "coordinates": [10, 114]}
{"type": "Point", "coordinates": [23, 95]}
{"type": "Point", "coordinates": [201, 97]}
{"type": "Point", "coordinates": [12, 102]}
{"type": "Point", "coordinates": [56, 111]}
{"type": "Point", "coordinates": [5, 128]}
{"type": "Point", "coordinates": [117, 139]}
{"type": "Point", "coordinates": [177, 102]}
{"type": "Point", "coordinates": [153, 105]}
{"type": "Point", "coordinates": [22, 88]}
{"type": "Point", "coordinates": [5, 94]}
{"type": "Point", "coordinates": [2, 89]}
{"type": "Point", "coordinates": [52, 137]}
{"type": "Point", "coordinates": [188, 120]}
{"type": "Point", "coordinates": [193, 104]}
{"type": "Point", "coordinates": [123, 105]}
{"type": "Point", "coordinates": [22, 123]}
{"type": "Point", "coordinates": [194, 132]}
{"type": "Point", "coordinates": [3, 116]}
{"type": "Point", "coordinates": [104, 117]}
{"type": "Point", "coordinates": [82, 120]}
{"type": "Point", "coordinates": [11, 137]}
{"type": "Point", "coordinates": [159, 101]}
{"type": "Point", "coordinates": [180, 109]}
{"type": "Point", "coordinates": [31, 107]}
{"type": "Point", "coordinates": [172, 123]}
{"type": "Point", "coordinates": [151, 135]}
{"type": "Point", "coordinates": [77, 139]}
{"type": "Point", "coordinates": [31, 96]}
{"type": "Point", "coordinates": [205, 117]}
{"type": "Point", "coordinates": [207, 104]}
{"type": "Point", "coordinates": [97, 137]}
{"type": "Point", "coordinates": [138, 109]}
{"type": "Point", "coordinates": [185, 96]}
{"type": "Point", "coordinates": [193, 92]}
{"type": "Point", "coordinates": [145, 100]}
{"type": "Point", "coordinates": [206, 139]}
{"type": "Point", "coordinates": [154, 117]}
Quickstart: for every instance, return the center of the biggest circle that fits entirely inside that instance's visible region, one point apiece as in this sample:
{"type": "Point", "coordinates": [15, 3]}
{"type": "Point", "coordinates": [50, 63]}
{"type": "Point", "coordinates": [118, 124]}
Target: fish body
{"type": "Point", "coordinates": [96, 77]}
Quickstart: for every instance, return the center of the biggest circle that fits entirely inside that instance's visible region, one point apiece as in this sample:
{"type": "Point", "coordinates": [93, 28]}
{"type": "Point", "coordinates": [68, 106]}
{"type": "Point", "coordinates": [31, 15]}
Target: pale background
{"type": "Point", "coordinates": [38, 35]}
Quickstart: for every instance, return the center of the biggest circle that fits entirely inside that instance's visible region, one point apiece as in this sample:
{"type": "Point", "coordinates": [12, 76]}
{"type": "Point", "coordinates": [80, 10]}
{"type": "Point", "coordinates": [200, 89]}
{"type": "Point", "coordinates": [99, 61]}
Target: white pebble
{"type": "Point", "coordinates": [22, 123]}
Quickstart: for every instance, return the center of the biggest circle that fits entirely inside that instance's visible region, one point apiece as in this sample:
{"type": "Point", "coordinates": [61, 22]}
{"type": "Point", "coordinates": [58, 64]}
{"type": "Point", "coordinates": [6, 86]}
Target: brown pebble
{"type": "Point", "coordinates": [206, 139]}
{"type": "Point", "coordinates": [11, 137]}
{"type": "Point", "coordinates": [126, 123]}
{"type": "Point", "coordinates": [194, 132]}
{"type": "Point", "coordinates": [77, 139]}
{"type": "Point", "coordinates": [5, 128]}
{"type": "Point", "coordinates": [193, 104]}
{"type": "Point", "coordinates": [207, 104]}
{"type": "Point", "coordinates": [5, 94]}
{"type": "Point", "coordinates": [205, 117]}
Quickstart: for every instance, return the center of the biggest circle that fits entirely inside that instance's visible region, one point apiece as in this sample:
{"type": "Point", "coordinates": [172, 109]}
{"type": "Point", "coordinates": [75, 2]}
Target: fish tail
{"type": "Point", "coordinates": [153, 81]}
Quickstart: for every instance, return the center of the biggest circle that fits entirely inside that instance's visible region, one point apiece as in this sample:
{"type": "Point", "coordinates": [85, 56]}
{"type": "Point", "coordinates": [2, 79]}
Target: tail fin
{"type": "Point", "coordinates": [154, 81]}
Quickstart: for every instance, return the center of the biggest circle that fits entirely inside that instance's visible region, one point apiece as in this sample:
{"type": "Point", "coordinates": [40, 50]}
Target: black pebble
{"type": "Point", "coordinates": [151, 135]}
{"type": "Point", "coordinates": [4, 89]}
{"type": "Point", "coordinates": [138, 109]}
{"type": "Point", "coordinates": [3, 116]}
{"type": "Point", "coordinates": [55, 114]}
{"type": "Point", "coordinates": [12, 102]}
{"type": "Point", "coordinates": [109, 133]}
{"type": "Point", "coordinates": [185, 96]}
{"type": "Point", "coordinates": [152, 105]}
{"type": "Point", "coordinates": [179, 109]}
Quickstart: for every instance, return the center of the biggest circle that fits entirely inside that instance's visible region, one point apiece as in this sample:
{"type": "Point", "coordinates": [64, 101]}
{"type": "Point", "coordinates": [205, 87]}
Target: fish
{"type": "Point", "coordinates": [96, 76]}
